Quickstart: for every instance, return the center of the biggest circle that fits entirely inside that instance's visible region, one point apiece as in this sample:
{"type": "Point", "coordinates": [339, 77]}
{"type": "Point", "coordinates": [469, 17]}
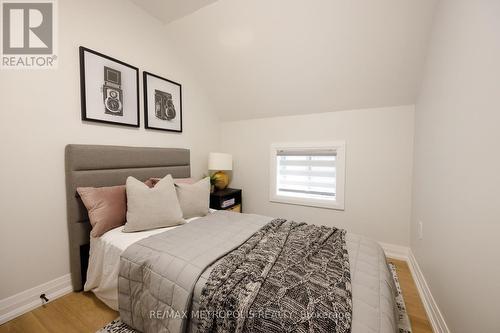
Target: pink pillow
{"type": "Point", "coordinates": [153, 181]}
{"type": "Point", "coordinates": [184, 181]}
{"type": "Point", "coordinates": [107, 207]}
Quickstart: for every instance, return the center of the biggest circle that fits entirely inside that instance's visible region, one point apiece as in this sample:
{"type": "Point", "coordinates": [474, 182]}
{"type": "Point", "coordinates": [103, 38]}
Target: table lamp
{"type": "Point", "coordinates": [220, 162]}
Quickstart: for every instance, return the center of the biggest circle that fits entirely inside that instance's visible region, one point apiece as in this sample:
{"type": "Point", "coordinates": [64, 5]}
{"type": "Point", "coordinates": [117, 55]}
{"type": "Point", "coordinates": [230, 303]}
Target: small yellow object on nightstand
{"type": "Point", "coordinates": [221, 180]}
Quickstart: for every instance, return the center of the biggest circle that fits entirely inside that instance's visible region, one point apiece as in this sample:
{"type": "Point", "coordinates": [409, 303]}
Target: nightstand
{"type": "Point", "coordinates": [226, 199]}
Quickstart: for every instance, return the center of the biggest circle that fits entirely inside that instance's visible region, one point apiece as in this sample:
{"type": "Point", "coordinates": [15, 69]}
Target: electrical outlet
{"type": "Point", "coordinates": [420, 230]}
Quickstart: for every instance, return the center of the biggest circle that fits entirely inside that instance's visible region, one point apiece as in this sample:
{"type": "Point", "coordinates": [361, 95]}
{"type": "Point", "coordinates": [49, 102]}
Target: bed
{"type": "Point", "coordinates": [373, 305]}
{"type": "Point", "coordinates": [104, 261]}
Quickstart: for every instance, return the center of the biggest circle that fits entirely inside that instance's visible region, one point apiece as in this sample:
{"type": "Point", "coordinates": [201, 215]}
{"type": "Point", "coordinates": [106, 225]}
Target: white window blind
{"type": "Point", "coordinates": [309, 173]}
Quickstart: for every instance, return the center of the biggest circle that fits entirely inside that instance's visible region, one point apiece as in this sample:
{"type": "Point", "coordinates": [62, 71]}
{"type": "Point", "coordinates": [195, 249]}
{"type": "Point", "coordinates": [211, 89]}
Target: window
{"type": "Point", "coordinates": [308, 174]}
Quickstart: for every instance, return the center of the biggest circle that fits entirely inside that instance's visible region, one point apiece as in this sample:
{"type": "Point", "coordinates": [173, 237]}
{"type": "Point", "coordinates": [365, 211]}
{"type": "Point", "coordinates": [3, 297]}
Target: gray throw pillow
{"type": "Point", "coordinates": [194, 199]}
{"type": "Point", "coordinates": [151, 208]}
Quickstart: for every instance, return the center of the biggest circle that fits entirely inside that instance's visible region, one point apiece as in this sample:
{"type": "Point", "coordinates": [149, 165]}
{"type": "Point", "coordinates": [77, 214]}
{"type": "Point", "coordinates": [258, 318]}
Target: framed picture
{"type": "Point", "coordinates": [109, 89]}
{"type": "Point", "coordinates": [162, 103]}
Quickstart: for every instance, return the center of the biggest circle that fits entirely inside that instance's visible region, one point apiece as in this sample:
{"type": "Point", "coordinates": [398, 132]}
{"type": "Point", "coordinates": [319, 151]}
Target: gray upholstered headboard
{"type": "Point", "coordinates": [96, 166]}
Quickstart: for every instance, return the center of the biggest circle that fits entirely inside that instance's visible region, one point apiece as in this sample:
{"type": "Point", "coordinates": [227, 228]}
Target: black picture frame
{"type": "Point", "coordinates": [83, 83]}
{"type": "Point", "coordinates": [145, 75]}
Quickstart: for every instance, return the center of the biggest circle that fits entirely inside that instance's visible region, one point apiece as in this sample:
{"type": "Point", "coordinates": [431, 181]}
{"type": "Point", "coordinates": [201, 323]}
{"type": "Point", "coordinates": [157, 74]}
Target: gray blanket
{"type": "Point", "coordinates": [288, 277]}
{"type": "Point", "coordinates": [158, 274]}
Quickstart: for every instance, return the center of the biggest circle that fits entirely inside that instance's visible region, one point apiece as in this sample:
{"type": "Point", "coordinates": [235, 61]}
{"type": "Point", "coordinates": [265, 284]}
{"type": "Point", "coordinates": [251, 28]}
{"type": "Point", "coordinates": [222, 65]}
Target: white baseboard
{"type": "Point", "coordinates": [395, 251]}
{"type": "Point", "coordinates": [28, 300]}
{"type": "Point", "coordinates": [431, 308]}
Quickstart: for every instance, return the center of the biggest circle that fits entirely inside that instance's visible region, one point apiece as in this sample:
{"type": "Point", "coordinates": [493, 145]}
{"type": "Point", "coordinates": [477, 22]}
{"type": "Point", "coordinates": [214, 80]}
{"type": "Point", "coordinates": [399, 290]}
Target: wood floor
{"type": "Point", "coordinates": [75, 312]}
{"type": "Point", "coordinates": [83, 312]}
{"type": "Point", "coordinates": [418, 318]}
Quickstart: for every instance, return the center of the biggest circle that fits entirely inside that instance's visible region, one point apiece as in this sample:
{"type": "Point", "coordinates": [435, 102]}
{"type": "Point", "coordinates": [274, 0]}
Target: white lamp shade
{"type": "Point", "coordinates": [220, 162]}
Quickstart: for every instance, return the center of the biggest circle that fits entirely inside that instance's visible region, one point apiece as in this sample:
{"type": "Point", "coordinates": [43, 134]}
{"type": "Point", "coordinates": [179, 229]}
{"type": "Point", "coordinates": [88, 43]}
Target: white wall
{"type": "Point", "coordinates": [457, 165]}
{"type": "Point", "coordinates": [40, 114]}
{"type": "Point", "coordinates": [379, 157]}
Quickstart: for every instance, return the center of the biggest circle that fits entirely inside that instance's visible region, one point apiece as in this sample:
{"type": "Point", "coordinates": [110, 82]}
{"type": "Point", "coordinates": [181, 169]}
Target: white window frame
{"type": "Point", "coordinates": [338, 203]}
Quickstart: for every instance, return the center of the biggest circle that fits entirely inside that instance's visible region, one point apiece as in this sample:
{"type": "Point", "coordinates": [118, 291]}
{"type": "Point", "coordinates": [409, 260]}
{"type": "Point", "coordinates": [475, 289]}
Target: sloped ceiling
{"type": "Point", "coordinates": [263, 58]}
{"type": "Point", "coordinates": [170, 10]}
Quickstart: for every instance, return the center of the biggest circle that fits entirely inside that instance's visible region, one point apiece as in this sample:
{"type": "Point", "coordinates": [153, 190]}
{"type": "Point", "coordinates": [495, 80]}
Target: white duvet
{"type": "Point", "coordinates": [104, 261]}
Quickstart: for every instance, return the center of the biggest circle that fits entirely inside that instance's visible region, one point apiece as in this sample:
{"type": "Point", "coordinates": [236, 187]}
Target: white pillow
{"type": "Point", "coordinates": [194, 199]}
{"type": "Point", "coordinates": [151, 208]}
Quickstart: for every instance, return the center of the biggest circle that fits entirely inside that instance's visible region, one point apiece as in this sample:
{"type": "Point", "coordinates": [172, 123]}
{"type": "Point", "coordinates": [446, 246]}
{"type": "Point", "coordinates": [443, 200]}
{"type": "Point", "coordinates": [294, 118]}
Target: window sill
{"type": "Point", "coordinates": [335, 205]}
